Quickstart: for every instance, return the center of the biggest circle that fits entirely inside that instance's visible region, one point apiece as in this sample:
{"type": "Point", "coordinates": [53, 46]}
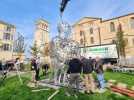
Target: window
{"type": "Point", "coordinates": [42, 38]}
{"type": "Point", "coordinates": [91, 31]}
{"type": "Point", "coordinates": [42, 26]}
{"type": "Point", "coordinates": [46, 28]}
{"type": "Point", "coordinates": [126, 41]}
{"type": "Point", "coordinates": [112, 27]}
{"type": "Point", "coordinates": [91, 40]}
{"type": "Point", "coordinates": [6, 36]}
{"type": "Point", "coordinates": [120, 27]}
{"type": "Point", "coordinates": [11, 37]}
{"type": "Point", "coordinates": [6, 47]}
{"type": "Point", "coordinates": [81, 41]}
{"type": "Point", "coordinates": [81, 33]}
{"type": "Point", "coordinates": [132, 22]}
{"type": "Point", "coordinates": [8, 28]}
{"type": "Point", "coordinates": [133, 41]}
{"type": "Point", "coordinates": [113, 41]}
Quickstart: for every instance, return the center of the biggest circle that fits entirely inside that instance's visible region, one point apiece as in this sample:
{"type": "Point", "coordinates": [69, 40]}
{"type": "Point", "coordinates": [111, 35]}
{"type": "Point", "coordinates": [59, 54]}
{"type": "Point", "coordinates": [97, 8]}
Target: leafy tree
{"type": "Point", "coordinates": [34, 50]}
{"type": "Point", "coordinates": [121, 44]}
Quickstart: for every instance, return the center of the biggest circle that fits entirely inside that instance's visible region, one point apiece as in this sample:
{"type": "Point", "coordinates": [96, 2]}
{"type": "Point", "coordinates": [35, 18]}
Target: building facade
{"type": "Point", "coordinates": [90, 31]}
{"type": "Point", "coordinates": [7, 32]}
{"type": "Point", "coordinates": [42, 36]}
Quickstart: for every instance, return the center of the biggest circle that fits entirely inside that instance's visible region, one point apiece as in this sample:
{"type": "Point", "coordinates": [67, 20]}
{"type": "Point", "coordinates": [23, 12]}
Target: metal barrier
{"type": "Point", "coordinates": [127, 62]}
{"type": "Point", "coordinates": [123, 70]}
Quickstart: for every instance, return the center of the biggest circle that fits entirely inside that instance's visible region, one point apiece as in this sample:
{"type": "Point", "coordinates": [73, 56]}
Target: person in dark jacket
{"type": "Point", "coordinates": [75, 66]}
{"type": "Point", "coordinates": [74, 70]}
{"type": "Point", "coordinates": [99, 70]}
{"type": "Point", "coordinates": [87, 66]}
{"type": "Point", "coordinates": [35, 69]}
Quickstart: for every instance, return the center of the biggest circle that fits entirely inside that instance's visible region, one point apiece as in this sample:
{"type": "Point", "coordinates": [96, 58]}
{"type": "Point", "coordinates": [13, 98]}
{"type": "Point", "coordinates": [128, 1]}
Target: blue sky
{"type": "Point", "coordinates": [24, 13]}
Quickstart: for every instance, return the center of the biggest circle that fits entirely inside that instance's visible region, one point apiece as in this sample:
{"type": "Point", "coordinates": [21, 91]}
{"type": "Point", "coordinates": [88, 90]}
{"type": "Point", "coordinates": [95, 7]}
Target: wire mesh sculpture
{"type": "Point", "coordinates": [62, 48]}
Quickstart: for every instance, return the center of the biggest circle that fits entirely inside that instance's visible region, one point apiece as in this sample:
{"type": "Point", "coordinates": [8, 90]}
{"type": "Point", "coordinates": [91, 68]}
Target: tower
{"type": "Point", "coordinates": [41, 36]}
{"type": "Point", "coordinates": [42, 33]}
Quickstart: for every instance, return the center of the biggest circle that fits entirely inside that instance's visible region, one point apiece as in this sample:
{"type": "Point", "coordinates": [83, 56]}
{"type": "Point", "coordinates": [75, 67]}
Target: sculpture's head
{"type": "Point", "coordinates": [64, 30]}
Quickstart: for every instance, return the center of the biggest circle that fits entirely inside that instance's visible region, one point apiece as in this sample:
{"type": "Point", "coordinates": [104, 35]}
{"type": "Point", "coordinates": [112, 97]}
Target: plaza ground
{"type": "Point", "coordinates": [12, 90]}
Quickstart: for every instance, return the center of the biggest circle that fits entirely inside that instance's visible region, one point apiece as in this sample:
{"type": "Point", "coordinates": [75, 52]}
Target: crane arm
{"type": "Point", "coordinates": [63, 5]}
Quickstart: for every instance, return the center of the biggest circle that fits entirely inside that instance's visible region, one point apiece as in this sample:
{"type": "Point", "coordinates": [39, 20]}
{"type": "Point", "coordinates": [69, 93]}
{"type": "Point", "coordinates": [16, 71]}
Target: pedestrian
{"type": "Point", "coordinates": [33, 67]}
{"type": "Point", "coordinates": [87, 69]}
{"type": "Point", "coordinates": [100, 74]}
{"type": "Point", "coordinates": [35, 63]}
{"type": "Point", "coordinates": [21, 65]}
{"type": "Point", "coordinates": [37, 69]}
{"type": "Point", "coordinates": [17, 67]}
{"type": "Point", "coordinates": [45, 68]}
{"type": "Point", "coordinates": [4, 64]}
{"type": "Point", "coordinates": [74, 70]}
{"type": "Point", "coordinates": [17, 63]}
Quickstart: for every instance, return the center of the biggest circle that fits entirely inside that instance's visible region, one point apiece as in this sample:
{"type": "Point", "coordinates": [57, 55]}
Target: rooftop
{"type": "Point", "coordinates": [42, 20]}
{"type": "Point", "coordinates": [94, 18]}
{"type": "Point", "coordinates": [8, 24]}
{"type": "Point", "coordinates": [118, 17]}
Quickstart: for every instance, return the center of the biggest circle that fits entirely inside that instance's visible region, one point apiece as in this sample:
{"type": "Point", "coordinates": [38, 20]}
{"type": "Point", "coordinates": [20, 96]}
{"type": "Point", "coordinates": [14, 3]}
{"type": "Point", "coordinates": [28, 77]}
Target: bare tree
{"type": "Point", "coordinates": [19, 45]}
